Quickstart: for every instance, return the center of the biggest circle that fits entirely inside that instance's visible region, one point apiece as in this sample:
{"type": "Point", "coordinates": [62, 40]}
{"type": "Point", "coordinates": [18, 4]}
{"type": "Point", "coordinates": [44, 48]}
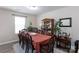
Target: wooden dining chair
{"type": "Point", "coordinates": [23, 40]}
{"type": "Point", "coordinates": [35, 30]}
{"type": "Point", "coordinates": [28, 43]}
{"type": "Point", "coordinates": [51, 44]}
{"type": "Point", "coordinates": [48, 47]}
{"type": "Point", "coordinates": [76, 46]}
{"type": "Point", "coordinates": [45, 32]}
{"type": "Point", "coordinates": [20, 37]}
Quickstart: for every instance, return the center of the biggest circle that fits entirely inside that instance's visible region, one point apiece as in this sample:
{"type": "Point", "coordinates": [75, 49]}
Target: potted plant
{"type": "Point", "coordinates": [30, 27]}
{"type": "Point", "coordinates": [57, 29]}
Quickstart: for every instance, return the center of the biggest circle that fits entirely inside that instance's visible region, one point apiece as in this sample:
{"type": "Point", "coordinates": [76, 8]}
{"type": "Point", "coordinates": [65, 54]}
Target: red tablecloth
{"type": "Point", "coordinates": [38, 39]}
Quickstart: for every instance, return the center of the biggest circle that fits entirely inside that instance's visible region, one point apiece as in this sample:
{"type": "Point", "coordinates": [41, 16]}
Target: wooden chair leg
{"type": "Point", "coordinates": [20, 42]}
{"type": "Point", "coordinates": [22, 45]}
{"type": "Point", "coordinates": [27, 49]}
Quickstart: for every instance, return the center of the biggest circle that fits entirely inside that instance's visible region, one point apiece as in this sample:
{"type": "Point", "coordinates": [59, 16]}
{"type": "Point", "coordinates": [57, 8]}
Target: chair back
{"type": "Point", "coordinates": [76, 46]}
{"type": "Point", "coordinates": [35, 30]}
{"type": "Point", "coordinates": [25, 40]}
{"type": "Point", "coordinates": [28, 42]}
{"type": "Point", "coordinates": [48, 46]}
{"type": "Point", "coordinates": [20, 37]}
{"type": "Point", "coordinates": [51, 44]}
{"type": "Point", "coordinates": [28, 38]}
{"type": "Point", "coordinates": [45, 32]}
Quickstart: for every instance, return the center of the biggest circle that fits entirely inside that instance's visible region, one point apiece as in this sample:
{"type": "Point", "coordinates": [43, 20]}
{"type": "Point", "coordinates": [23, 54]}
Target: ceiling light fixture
{"type": "Point", "coordinates": [32, 7]}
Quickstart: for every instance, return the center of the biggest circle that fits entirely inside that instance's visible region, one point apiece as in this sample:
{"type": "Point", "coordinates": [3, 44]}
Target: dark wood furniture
{"type": "Point", "coordinates": [25, 41]}
{"type": "Point", "coordinates": [35, 40]}
{"type": "Point", "coordinates": [48, 47]}
{"type": "Point", "coordinates": [63, 42]}
{"type": "Point", "coordinates": [76, 46]}
{"type": "Point", "coordinates": [32, 29]}
{"type": "Point", "coordinates": [48, 26]}
{"type": "Point", "coordinates": [28, 43]}
{"type": "Point", "coordinates": [21, 38]}
{"type": "Point", "coordinates": [39, 39]}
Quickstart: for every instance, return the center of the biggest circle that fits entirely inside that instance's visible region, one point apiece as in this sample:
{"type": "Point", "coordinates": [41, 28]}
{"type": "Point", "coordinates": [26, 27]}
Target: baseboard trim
{"type": "Point", "coordinates": [3, 43]}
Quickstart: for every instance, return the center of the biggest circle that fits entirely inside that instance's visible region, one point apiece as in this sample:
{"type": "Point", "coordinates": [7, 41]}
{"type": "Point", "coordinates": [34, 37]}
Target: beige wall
{"type": "Point", "coordinates": [7, 25]}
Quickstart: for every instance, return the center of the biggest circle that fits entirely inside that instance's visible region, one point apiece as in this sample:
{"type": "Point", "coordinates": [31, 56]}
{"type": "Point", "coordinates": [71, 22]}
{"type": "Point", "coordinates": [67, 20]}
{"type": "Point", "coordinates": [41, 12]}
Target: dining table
{"type": "Point", "coordinates": [39, 39]}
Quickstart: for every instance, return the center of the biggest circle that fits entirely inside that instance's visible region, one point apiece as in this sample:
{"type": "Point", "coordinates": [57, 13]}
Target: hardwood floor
{"type": "Point", "coordinates": [6, 48]}
{"type": "Point", "coordinates": [14, 48]}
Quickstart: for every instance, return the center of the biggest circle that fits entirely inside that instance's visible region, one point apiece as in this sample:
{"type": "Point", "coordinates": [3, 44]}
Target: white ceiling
{"type": "Point", "coordinates": [24, 9]}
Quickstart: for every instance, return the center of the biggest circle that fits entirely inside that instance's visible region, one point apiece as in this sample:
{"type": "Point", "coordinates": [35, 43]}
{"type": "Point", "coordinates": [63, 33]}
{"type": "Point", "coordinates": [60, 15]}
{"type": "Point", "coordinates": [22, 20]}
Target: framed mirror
{"type": "Point", "coordinates": [66, 22]}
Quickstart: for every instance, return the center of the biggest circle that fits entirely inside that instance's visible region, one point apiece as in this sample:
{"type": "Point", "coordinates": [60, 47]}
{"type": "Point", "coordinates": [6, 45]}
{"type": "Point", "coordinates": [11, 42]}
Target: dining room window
{"type": "Point", "coordinates": [19, 23]}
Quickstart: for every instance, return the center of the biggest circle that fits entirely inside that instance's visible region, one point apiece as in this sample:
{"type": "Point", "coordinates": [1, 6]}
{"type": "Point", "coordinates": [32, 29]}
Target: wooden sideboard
{"type": "Point", "coordinates": [63, 42]}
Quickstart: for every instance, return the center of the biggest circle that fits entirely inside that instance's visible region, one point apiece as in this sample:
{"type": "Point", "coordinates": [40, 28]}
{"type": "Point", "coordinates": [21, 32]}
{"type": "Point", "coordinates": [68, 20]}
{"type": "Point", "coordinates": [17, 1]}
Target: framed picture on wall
{"type": "Point", "coordinates": [66, 22]}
